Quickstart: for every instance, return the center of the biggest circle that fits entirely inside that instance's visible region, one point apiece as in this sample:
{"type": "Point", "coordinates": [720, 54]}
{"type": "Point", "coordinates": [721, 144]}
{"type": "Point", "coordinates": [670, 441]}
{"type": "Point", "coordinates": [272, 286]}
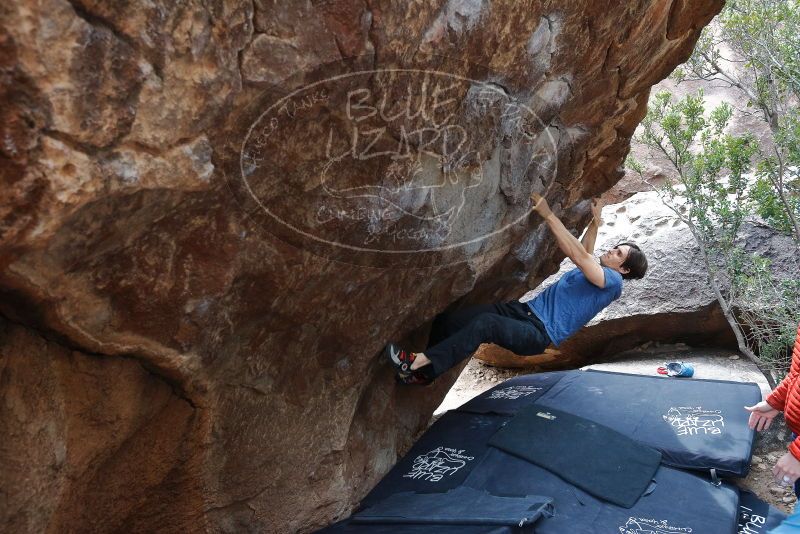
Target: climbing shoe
{"type": "Point", "coordinates": [401, 359]}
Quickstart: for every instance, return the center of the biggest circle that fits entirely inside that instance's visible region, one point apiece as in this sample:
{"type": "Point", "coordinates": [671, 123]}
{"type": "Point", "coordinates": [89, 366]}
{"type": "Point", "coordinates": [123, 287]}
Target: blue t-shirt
{"type": "Point", "coordinates": [570, 303]}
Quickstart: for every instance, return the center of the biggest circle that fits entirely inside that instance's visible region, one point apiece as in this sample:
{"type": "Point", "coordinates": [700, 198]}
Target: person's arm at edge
{"type": "Point", "coordinates": [777, 399]}
{"type": "Point", "coordinates": [789, 464]}
{"type": "Point", "coordinates": [569, 244]}
{"type": "Point", "coordinates": [762, 413]}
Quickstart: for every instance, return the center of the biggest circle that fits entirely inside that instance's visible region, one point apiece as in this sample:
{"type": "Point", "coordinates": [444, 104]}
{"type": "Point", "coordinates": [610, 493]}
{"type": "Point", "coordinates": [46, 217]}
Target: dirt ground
{"type": "Point", "coordinates": [477, 377]}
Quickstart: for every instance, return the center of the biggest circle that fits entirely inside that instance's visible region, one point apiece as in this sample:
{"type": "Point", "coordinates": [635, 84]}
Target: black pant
{"type": "Point", "coordinates": [457, 335]}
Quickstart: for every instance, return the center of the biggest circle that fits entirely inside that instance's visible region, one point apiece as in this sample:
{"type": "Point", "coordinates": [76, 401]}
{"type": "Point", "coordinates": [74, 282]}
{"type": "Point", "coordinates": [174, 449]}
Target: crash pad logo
{"type": "Point", "coordinates": [394, 161]}
{"type": "Point", "coordinates": [514, 392]}
{"type": "Point", "coordinates": [694, 421]}
{"type": "Point", "coordinates": [441, 462]}
{"type": "Point", "coordinates": [638, 525]}
{"type": "Point", "coordinates": [750, 523]}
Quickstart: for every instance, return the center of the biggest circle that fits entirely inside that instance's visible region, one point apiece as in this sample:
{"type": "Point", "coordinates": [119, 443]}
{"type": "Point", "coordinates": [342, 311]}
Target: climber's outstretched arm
{"type": "Point", "coordinates": [569, 244]}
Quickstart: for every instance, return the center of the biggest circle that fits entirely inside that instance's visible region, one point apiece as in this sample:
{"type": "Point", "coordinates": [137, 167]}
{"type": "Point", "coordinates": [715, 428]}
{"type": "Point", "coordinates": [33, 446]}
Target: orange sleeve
{"type": "Point", "coordinates": [777, 399]}
{"type": "Point", "coordinates": [794, 447]}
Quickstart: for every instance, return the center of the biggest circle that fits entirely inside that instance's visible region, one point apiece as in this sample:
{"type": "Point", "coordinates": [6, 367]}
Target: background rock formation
{"type": "Point", "coordinates": [166, 358]}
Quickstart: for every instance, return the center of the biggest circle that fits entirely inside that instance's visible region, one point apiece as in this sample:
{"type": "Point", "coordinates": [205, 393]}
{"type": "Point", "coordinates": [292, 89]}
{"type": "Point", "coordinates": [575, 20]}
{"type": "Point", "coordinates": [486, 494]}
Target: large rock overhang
{"type": "Point", "coordinates": [134, 228]}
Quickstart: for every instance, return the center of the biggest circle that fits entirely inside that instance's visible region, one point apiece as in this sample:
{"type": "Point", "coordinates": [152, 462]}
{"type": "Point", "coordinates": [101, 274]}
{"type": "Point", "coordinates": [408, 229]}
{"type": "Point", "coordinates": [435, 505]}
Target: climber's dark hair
{"type": "Point", "coordinates": [636, 262]}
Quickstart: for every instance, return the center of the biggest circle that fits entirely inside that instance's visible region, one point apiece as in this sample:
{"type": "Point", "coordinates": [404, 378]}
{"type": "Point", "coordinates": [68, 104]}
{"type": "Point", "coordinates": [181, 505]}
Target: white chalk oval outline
{"type": "Point", "coordinates": [372, 250]}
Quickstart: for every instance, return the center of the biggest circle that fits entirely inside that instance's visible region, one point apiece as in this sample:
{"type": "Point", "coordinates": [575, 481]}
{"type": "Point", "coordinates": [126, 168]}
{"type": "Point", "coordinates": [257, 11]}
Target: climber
{"type": "Point", "coordinates": [527, 328]}
{"type": "Point", "coordinates": [786, 399]}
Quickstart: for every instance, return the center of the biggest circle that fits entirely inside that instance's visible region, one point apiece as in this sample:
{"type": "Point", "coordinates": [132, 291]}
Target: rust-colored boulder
{"type": "Point", "coordinates": [197, 294]}
{"type": "Point", "coordinates": [92, 443]}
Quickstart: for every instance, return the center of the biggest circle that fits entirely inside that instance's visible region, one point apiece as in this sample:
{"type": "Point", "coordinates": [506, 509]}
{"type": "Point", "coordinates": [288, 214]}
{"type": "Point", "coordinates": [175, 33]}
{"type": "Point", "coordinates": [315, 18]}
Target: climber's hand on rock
{"type": "Point", "coordinates": [761, 415]}
{"type": "Point", "coordinates": [597, 208]}
{"type": "Point", "coordinates": [540, 205]}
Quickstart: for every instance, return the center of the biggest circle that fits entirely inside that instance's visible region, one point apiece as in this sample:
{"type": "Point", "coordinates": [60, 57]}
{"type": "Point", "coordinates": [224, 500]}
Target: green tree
{"type": "Point", "coordinates": [754, 47]}
{"type": "Point", "coordinates": [712, 207]}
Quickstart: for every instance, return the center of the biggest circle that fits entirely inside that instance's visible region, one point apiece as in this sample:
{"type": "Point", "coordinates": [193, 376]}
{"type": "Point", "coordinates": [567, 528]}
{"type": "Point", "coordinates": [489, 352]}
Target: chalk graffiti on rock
{"type": "Point", "coordinates": [393, 160]}
{"type": "Point", "coordinates": [426, 153]}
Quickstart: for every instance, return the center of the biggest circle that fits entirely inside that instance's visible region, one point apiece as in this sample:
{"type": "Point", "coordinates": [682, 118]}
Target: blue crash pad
{"type": "Point", "coordinates": [677, 500]}
{"type": "Point", "coordinates": [696, 424]}
{"type": "Point", "coordinates": [513, 394]}
{"type": "Point", "coordinates": [442, 458]}
{"type": "Point", "coordinates": [459, 506]}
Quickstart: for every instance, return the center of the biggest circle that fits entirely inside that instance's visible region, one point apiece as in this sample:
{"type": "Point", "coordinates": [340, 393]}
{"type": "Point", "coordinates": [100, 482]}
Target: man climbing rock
{"type": "Point", "coordinates": [527, 328]}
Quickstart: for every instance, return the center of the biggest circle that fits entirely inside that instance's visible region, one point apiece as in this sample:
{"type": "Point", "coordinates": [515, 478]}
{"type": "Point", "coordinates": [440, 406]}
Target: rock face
{"type": "Point", "coordinates": [108, 444]}
{"type": "Point", "coordinates": [214, 215]}
{"type": "Point", "coordinates": [671, 304]}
